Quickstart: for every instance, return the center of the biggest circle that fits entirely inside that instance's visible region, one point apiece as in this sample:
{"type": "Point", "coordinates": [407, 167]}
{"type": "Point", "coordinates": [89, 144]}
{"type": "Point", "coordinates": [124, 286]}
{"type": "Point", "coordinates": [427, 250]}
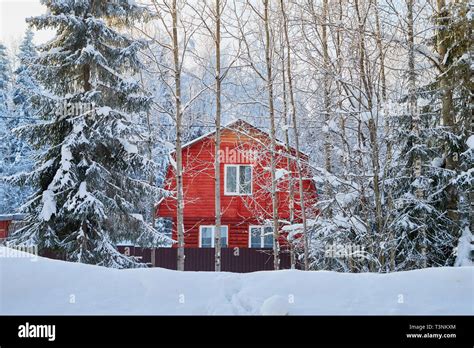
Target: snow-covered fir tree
{"type": "Point", "coordinates": [410, 181]}
{"type": "Point", "coordinates": [8, 155]}
{"type": "Point", "coordinates": [431, 178]}
{"type": "Point", "coordinates": [453, 87]}
{"type": "Point", "coordinates": [4, 76]}
{"type": "Point", "coordinates": [422, 230]}
{"type": "Point", "coordinates": [19, 154]}
{"type": "Point", "coordinates": [94, 172]}
{"type": "Point", "coordinates": [424, 118]}
{"type": "Point", "coordinates": [25, 85]}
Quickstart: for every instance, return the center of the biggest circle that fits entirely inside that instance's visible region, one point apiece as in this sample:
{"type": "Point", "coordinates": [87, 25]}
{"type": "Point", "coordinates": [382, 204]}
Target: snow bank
{"type": "Point", "coordinates": [275, 305]}
{"type": "Point", "coordinates": [43, 286]}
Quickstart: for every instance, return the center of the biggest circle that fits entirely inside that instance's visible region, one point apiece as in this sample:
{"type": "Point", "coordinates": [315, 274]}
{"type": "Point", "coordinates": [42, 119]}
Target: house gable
{"type": "Point", "coordinates": [242, 145]}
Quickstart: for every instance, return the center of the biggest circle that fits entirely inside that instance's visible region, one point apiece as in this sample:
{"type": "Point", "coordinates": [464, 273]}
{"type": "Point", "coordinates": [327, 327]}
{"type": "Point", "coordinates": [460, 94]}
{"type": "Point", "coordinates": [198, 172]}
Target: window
{"type": "Point", "coordinates": [238, 180]}
{"type": "Point", "coordinates": [261, 237]}
{"type": "Point", "coordinates": [206, 236]}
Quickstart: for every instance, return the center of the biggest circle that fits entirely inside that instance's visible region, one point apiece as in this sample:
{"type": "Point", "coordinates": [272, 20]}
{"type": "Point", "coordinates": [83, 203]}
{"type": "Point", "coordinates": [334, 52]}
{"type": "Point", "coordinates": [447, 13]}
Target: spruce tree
{"type": "Point", "coordinates": [8, 156]}
{"type": "Point", "coordinates": [25, 85]}
{"type": "Point", "coordinates": [19, 151]}
{"type": "Point", "coordinates": [453, 87]}
{"type": "Point", "coordinates": [91, 177]}
{"type": "Point", "coordinates": [433, 221]}
{"type": "Point", "coordinates": [4, 75]}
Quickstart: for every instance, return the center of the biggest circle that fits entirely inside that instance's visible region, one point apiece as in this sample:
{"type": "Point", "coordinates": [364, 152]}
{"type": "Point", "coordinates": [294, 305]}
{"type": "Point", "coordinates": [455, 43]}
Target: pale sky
{"type": "Point", "coordinates": [12, 21]}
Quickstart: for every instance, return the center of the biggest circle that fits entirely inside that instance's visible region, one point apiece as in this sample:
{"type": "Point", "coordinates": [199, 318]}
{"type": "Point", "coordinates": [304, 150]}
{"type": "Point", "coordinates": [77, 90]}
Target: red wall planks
{"type": "Point", "coordinates": [238, 212]}
{"type": "Point", "coordinates": [4, 228]}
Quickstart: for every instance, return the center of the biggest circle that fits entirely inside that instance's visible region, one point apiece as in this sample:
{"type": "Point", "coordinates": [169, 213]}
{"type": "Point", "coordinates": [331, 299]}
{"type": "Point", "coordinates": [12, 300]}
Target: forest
{"type": "Point", "coordinates": [377, 93]}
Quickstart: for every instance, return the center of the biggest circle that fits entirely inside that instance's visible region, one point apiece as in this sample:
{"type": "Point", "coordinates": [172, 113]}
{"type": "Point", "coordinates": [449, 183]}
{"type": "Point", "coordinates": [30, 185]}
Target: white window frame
{"type": "Point", "coordinates": [262, 240]}
{"type": "Point", "coordinates": [227, 193]}
{"type": "Point", "coordinates": [213, 229]}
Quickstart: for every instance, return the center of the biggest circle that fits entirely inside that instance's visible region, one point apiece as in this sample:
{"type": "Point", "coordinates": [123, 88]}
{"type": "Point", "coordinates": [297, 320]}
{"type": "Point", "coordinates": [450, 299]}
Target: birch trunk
{"type": "Point", "coordinates": [217, 38]}
{"type": "Point", "coordinates": [414, 115]}
{"type": "Point", "coordinates": [387, 130]}
{"type": "Point", "coordinates": [179, 159]}
{"type": "Point", "coordinates": [327, 99]}
{"type": "Point", "coordinates": [297, 144]}
{"type": "Point", "coordinates": [291, 203]}
{"type": "Point", "coordinates": [447, 115]}
{"type": "Point", "coordinates": [344, 156]}
{"type": "Point", "coordinates": [372, 125]}
{"type": "Point", "coordinates": [268, 59]}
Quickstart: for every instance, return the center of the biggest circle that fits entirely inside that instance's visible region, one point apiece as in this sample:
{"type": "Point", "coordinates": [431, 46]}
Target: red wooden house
{"type": "Point", "coordinates": [6, 222]}
{"type": "Point", "coordinates": [246, 204]}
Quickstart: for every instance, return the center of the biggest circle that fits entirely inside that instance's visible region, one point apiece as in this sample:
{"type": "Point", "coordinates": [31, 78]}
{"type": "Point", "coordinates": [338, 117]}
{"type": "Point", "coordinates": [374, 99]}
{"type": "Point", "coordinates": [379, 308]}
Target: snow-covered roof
{"type": "Point", "coordinates": [7, 217]}
{"type": "Point", "coordinates": [198, 139]}
{"type": "Point", "coordinates": [227, 126]}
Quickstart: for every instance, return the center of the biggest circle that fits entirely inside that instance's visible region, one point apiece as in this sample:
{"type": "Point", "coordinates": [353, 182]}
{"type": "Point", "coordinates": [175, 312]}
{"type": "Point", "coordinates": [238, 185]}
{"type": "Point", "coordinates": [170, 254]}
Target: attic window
{"type": "Point", "coordinates": [238, 179]}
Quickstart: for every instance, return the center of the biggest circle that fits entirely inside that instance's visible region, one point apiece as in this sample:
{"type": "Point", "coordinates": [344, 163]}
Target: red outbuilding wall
{"type": "Point", "coordinates": [4, 228]}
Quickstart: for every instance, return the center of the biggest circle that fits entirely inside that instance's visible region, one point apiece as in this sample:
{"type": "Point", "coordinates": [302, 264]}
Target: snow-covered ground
{"type": "Point", "coordinates": [43, 286]}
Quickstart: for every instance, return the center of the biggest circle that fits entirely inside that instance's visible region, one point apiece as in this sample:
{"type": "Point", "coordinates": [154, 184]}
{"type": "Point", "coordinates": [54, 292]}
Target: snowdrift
{"type": "Point", "coordinates": [43, 286]}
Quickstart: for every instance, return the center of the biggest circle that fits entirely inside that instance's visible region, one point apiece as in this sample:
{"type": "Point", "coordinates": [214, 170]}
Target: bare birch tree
{"type": "Point", "coordinates": [294, 123]}
{"type": "Point", "coordinates": [169, 22]}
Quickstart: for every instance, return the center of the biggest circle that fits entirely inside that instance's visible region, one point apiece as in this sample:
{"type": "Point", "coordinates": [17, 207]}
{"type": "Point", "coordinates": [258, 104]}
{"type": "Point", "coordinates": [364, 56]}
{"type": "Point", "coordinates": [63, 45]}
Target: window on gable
{"type": "Point", "coordinates": [261, 237]}
{"type": "Point", "coordinates": [238, 180]}
{"type": "Point", "coordinates": [207, 235]}
{"type": "Point", "coordinates": [231, 179]}
{"type": "Point", "coordinates": [245, 179]}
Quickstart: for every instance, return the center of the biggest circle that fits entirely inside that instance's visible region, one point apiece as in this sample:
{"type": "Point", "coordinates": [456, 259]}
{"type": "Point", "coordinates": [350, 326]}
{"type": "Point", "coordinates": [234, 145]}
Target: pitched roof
{"type": "Point", "coordinates": [233, 125]}
{"type": "Point", "coordinates": [8, 217]}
